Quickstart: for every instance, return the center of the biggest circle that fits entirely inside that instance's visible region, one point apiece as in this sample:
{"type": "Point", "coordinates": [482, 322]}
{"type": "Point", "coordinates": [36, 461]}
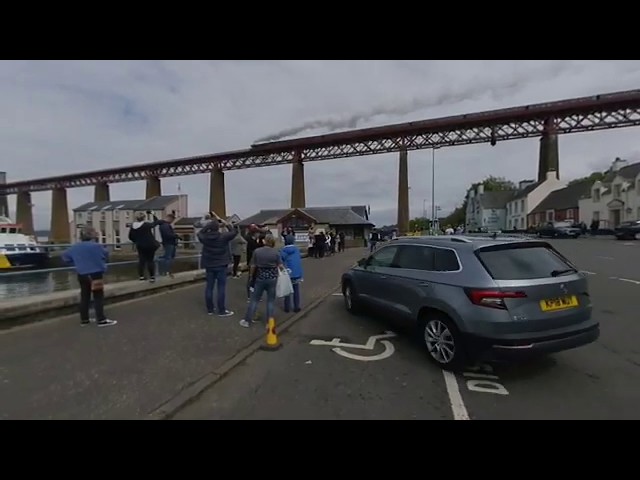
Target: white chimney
{"type": "Point", "coordinates": [480, 189]}
{"type": "Point", "coordinates": [617, 164]}
{"type": "Point", "coordinates": [551, 175]}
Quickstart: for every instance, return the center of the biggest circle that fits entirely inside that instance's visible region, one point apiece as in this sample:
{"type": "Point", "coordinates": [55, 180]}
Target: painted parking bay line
{"type": "Point", "coordinates": [628, 280]}
{"type": "Point", "coordinates": [455, 398]}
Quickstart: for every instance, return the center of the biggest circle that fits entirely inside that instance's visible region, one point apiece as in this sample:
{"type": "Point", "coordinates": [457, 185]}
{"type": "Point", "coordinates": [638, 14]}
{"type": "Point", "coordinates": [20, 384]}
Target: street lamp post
{"type": "Point", "coordinates": [433, 186]}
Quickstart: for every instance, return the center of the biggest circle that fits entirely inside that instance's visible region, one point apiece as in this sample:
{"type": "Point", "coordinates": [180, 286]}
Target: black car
{"type": "Point", "coordinates": [627, 230]}
{"type": "Point", "coordinates": [559, 229]}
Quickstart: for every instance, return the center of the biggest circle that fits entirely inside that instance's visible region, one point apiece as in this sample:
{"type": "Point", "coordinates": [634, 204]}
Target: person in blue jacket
{"type": "Point", "coordinates": [90, 261]}
{"type": "Point", "coordinates": [292, 261]}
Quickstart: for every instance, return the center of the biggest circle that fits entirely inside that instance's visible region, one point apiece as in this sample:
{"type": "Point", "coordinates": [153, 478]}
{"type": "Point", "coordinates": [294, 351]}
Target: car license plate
{"type": "Point", "coordinates": [561, 303]}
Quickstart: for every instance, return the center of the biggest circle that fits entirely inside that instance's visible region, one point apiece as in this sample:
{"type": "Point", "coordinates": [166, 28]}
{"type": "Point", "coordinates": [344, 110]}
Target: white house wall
{"type": "Point", "coordinates": [532, 200]}
{"type": "Point", "coordinates": [599, 210]}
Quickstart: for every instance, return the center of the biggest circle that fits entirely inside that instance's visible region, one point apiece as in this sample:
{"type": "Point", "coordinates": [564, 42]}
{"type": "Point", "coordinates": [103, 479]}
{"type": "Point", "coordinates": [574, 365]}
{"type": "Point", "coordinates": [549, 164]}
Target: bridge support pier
{"type": "Point", "coordinates": [60, 229]}
{"type": "Point", "coordinates": [403, 193]}
{"type": "Point", "coordinates": [298, 197]}
{"type": "Point", "coordinates": [217, 197]}
{"type": "Point", "coordinates": [154, 188]}
{"type": "Point", "coordinates": [24, 212]}
{"type": "Point", "coordinates": [549, 153]}
{"type": "Point", "coordinates": [101, 192]}
{"type": "Point", "coordinates": [4, 201]}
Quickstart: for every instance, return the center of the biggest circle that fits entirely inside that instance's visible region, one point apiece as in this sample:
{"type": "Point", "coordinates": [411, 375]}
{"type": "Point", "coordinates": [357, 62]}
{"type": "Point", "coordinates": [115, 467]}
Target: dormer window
{"type": "Point", "coordinates": [617, 189]}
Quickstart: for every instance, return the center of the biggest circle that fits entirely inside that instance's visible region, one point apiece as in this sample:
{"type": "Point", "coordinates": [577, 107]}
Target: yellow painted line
{"type": "Point", "coordinates": [4, 263]}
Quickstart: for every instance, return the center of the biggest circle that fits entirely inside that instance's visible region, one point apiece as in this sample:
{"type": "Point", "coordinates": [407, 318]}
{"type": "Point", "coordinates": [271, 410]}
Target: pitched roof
{"type": "Point", "coordinates": [187, 221]}
{"type": "Point", "coordinates": [496, 200]}
{"type": "Point", "coordinates": [155, 203]}
{"type": "Point", "coordinates": [525, 191]}
{"type": "Point", "coordinates": [564, 198]}
{"type": "Point", "coordinates": [329, 215]}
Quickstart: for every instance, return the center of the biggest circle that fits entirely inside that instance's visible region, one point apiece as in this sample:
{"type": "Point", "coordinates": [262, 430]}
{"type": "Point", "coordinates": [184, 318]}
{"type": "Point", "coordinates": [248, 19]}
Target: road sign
{"type": "Point", "coordinates": [389, 349]}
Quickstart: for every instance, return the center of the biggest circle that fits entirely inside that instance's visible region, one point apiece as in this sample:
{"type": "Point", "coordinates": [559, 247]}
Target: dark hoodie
{"type": "Point", "coordinates": [141, 233]}
{"type": "Point", "coordinates": [215, 245]}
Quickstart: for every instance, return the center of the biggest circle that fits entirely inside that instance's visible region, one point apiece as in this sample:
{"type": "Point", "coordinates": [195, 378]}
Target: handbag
{"type": "Point", "coordinates": [284, 287]}
{"type": "Point", "coordinates": [97, 284]}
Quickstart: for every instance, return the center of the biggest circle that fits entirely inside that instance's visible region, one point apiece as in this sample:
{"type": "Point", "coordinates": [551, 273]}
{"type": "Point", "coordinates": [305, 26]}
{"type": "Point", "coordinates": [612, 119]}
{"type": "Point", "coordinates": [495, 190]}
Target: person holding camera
{"type": "Point", "coordinates": [89, 259]}
{"type": "Point", "coordinates": [215, 259]}
{"type": "Point", "coordinates": [142, 236]}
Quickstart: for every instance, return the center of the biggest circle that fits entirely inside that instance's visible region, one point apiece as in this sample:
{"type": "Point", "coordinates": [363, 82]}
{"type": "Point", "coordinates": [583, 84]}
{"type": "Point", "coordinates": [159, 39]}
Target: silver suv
{"type": "Point", "coordinates": [476, 298]}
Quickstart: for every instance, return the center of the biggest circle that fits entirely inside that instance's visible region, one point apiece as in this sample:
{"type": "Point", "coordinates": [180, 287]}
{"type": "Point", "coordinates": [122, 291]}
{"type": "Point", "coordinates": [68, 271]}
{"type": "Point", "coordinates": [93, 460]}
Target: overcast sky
{"type": "Point", "coordinates": [67, 116]}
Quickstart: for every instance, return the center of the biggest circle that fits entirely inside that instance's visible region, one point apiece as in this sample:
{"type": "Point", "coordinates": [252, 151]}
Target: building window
{"type": "Point", "coordinates": [569, 214]}
{"type": "Point", "coordinates": [522, 205]}
{"type": "Point", "coordinates": [549, 215]}
{"type": "Point", "coordinates": [103, 215]}
{"type": "Point", "coordinates": [616, 191]}
{"type": "Point", "coordinates": [515, 207]}
{"type": "Point", "coordinates": [596, 195]}
{"type": "Point", "coordinates": [522, 223]}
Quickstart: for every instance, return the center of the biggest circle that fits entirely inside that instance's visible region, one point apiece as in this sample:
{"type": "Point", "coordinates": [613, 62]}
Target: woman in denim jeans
{"type": "Point", "coordinates": [265, 266]}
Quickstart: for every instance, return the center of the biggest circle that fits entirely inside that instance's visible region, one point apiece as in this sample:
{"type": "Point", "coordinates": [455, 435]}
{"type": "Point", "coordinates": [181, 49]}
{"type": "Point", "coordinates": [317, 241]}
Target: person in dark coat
{"type": "Point", "coordinates": [169, 243]}
{"type": "Point", "coordinates": [141, 234]}
{"type": "Point", "coordinates": [216, 257]}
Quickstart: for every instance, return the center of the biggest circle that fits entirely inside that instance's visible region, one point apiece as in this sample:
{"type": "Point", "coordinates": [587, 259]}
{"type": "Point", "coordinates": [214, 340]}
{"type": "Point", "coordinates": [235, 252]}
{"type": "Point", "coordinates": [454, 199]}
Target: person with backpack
{"type": "Point", "coordinates": [141, 234]}
{"type": "Point", "coordinates": [89, 259]}
{"type": "Point", "coordinates": [216, 257]}
{"type": "Point", "coordinates": [292, 261]}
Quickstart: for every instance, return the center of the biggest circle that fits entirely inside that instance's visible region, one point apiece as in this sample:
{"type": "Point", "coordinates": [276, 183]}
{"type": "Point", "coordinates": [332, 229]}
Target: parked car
{"type": "Point", "coordinates": [627, 230]}
{"type": "Point", "coordinates": [559, 229]}
{"type": "Point", "coordinates": [473, 298]}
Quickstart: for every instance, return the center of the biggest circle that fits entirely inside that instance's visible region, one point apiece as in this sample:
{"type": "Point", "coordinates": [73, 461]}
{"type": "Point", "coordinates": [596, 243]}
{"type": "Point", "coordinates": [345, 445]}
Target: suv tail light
{"type": "Point", "coordinates": [492, 298]}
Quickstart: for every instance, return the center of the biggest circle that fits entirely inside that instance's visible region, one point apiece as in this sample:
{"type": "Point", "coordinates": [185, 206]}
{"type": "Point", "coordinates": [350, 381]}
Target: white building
{"type": "Point", "coordinates": [112, 220]}
{"type": "Point", "coordinates": [530, 193]}
{"type": "Point", "coordinates": [486, 211]}
{"type": "Point", "coordinates": [614, 199]}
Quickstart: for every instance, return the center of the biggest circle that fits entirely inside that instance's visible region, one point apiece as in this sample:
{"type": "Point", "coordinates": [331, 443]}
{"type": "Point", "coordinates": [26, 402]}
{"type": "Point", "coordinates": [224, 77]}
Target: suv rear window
{"type": "Point", "coordinates": [513, 262]}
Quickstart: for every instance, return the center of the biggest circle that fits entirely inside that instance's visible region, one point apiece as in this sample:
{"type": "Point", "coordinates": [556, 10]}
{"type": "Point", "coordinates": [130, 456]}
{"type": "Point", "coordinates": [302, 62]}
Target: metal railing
{"type": "Point", "coordinates": [115, 246]}
{"type": "Point", "coordinates": [71, 268]}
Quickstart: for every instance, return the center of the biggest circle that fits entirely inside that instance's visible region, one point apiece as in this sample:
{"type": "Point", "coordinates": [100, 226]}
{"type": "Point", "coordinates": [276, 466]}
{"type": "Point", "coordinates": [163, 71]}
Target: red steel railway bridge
{"type": "Point", "coordinates": [544, 120]}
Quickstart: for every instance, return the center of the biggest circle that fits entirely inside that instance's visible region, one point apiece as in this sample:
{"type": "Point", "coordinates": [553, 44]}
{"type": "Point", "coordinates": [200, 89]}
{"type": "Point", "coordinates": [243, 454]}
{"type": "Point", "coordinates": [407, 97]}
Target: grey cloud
{"type": "Point", "coordinates": [197, 107]}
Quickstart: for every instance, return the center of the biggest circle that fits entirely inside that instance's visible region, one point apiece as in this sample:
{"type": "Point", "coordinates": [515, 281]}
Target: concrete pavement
{"type": "Point", "coordinates": [161, 345]}
{"type": "Point", "coordinates": [305, 381]}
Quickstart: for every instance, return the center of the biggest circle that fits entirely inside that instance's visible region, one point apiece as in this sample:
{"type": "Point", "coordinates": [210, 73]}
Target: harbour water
{"type": "Point", "coordinates": [26, 283]}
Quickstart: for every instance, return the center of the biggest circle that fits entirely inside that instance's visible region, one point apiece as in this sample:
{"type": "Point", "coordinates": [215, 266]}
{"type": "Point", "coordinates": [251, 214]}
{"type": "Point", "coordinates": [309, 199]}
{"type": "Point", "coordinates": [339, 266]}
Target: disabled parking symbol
{"type": "Point", "coordinates": [389, 349]}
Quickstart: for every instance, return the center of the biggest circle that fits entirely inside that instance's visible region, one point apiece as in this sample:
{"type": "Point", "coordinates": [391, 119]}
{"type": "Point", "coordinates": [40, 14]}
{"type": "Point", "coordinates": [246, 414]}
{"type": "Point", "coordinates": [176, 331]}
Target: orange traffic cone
{"type": "Point", "coordinates": [271, 342]}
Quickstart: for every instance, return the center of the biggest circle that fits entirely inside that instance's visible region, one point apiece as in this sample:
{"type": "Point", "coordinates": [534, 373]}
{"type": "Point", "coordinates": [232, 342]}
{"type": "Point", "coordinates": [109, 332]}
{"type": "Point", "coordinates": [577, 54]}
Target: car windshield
{"type": "Point", "coordinates": [517, 262]}
{"type": "Point", "coordinates": [562, 224]}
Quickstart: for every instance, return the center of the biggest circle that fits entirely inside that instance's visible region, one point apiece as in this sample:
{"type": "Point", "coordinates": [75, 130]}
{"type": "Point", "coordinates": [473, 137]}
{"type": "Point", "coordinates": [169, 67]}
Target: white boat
{"type": "Point", "coordinates": [18, 250]}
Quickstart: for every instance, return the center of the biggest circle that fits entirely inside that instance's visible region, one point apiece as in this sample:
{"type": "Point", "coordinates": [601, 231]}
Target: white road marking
{"type": "Point", "coordinates": [588, 273]}
{"type": "Point", "coordinates": [389, 349]}
{"type": "Point", "coordinates": [481, 375]}
{"type": "Point", "coordinates": [455, 398]}
{"type": "Point", "coordinates": [336, 294]}
{"type": "Point", "coordinates": [628, 280]}
{"type": "Point", "coordinates": [628, 244]}
{"type": "Point", "coordinates": [605, 258]}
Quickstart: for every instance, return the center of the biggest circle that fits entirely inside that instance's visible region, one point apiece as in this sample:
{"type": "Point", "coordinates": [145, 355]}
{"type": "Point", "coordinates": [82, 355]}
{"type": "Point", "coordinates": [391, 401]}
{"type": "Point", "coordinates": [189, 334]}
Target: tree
{"type": "Point", "coordinates": [594, 177]}
{"type": "Point", "coordinates": [419, 224]}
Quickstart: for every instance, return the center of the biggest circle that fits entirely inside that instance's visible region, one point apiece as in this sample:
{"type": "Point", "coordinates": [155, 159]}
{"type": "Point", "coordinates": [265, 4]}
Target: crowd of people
{"type": "Point", "coordinates": [324, 244]}
{"type": "Point", "coordinates": [222, 247]}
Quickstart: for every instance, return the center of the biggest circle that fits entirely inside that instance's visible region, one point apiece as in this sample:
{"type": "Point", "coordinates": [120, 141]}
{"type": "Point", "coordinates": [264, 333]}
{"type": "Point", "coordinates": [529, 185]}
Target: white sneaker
{"type": "Point", "coordinates": [226, 313]}
{"type": "Point", "coordinates": [244, 323]}
{"type": "Point", "coordinates": [106, 323]}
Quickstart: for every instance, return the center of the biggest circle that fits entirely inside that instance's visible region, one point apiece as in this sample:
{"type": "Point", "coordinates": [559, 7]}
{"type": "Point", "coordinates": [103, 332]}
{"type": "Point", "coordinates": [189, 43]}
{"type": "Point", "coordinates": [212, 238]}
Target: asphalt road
{"type": "Point", "coordinates": [163, 343]}
{"type": "Point", "coordinates": [305, 381]}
